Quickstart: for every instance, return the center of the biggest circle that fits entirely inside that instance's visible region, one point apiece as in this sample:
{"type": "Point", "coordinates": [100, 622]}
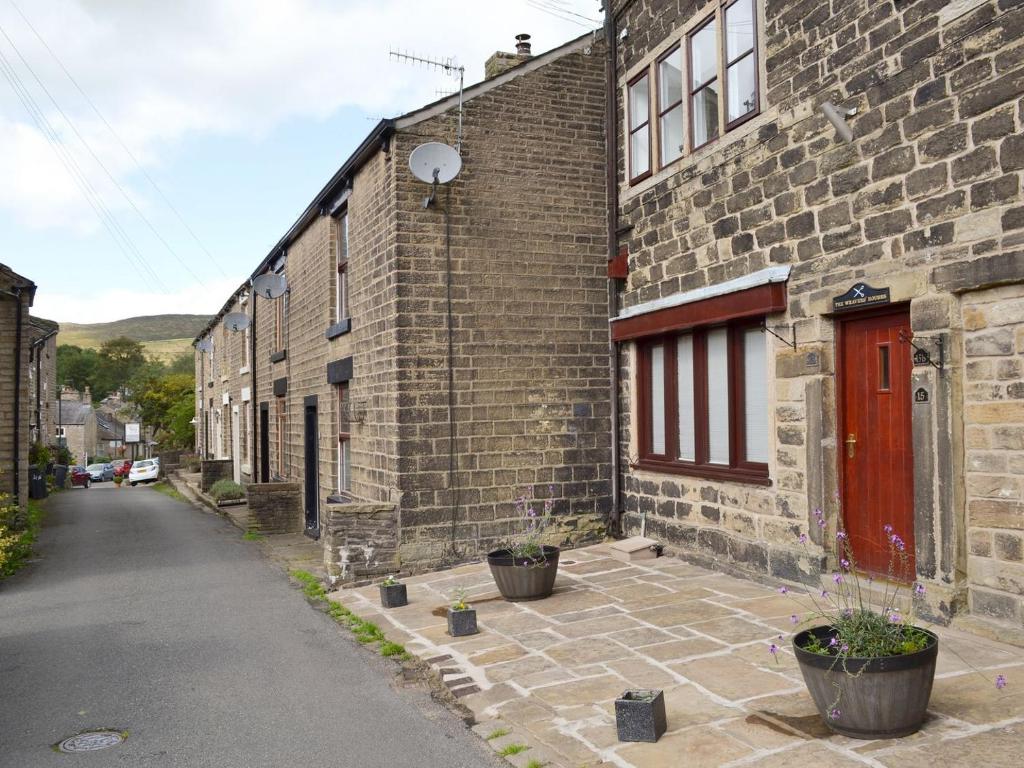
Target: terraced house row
{"type": "Point", "coordinates": [796, 225]}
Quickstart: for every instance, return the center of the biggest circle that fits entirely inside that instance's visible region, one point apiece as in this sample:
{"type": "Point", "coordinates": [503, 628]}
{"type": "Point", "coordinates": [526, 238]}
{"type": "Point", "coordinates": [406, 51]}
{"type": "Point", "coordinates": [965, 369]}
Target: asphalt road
{"type": "Point", "coordinates": [148, 615]}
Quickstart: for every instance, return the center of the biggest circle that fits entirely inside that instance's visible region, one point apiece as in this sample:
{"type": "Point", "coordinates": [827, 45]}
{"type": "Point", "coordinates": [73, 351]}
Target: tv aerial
{"type": "Point", "coordinates": [236, 321]}
{"type": "Point", "coordinates": [270, 285]}
{"type": "Point", "coordinates": [447, 65]}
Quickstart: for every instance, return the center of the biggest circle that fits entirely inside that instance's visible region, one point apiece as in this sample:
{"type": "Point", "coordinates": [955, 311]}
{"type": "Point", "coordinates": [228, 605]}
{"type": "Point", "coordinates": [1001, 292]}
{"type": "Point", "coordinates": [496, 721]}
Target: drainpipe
{"type": "Point", "coordinates": [612, 182]}
{"type": "Point", "coordinates": [17, 397]}
{"type": "Point", "coordinates": [253, 470]}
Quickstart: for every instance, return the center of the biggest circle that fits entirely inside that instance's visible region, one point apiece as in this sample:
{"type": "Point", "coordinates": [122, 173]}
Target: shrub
{"type": "Point", "coordinates": [39, 455]}
{"type": "Point", "coordinates": [227, 490]}
{"type": "Point", "coordinates": [100, 460]}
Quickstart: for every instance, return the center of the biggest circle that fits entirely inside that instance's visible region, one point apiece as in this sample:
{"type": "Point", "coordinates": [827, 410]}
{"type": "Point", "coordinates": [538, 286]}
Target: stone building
{"type": "Point", "coordinates": [808, 322]}
{"type": "Point", "coordinates": [430, 360]}
{"type": "Point", "coordinates": [77, 426]}
{"type": "Point", "coordinates": [42, 381]}
{"type": "Point", "coordinates": [16, 335]}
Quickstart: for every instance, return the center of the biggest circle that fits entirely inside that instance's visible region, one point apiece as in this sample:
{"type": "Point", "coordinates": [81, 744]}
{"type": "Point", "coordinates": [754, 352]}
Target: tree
{"type": "Point", "coordinates": [167, 403]}
{"type": "Point", "coordinates": [122, 359]}
{"type": "Point", "coordinates": [77, 367]}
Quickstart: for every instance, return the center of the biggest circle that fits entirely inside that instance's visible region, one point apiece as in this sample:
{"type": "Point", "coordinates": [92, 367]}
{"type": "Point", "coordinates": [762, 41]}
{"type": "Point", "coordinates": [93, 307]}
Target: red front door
{"type": "Point", "coordinates": [875, 440]}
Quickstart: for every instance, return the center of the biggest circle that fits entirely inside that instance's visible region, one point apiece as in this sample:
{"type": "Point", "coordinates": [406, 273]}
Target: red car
{"type": "Point", "coordinates": [123, 470]}
{"type": "Point", "coordinates": [80, 477]}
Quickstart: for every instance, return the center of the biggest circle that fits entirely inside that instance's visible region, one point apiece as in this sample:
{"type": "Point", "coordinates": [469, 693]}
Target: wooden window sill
{"type": "Point", "coordinates": [730, 474]}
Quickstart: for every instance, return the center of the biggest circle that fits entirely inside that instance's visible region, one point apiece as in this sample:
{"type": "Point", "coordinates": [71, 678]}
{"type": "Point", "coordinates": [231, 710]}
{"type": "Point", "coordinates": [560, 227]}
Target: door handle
{"type": "Point", "coordinates": [851, 445]}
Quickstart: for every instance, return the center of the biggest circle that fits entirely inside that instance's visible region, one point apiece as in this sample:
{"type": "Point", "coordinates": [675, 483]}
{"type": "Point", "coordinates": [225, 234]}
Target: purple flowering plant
{"type": "Point", "coordinates": [864, 622]}
{"type": "Point", "coordinates": [528, 544]}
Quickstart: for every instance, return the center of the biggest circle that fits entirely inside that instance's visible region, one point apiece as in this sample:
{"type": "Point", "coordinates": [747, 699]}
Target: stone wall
{"type": "Point", "coordinates": [529, 305]}
{"type": "Point", "coordinates": [275, 507]}
{"type": "Point", "coordinates": [926, 200]}
{"type": "Point", "coordinates": [360, 541]}
{"type": "Point", "coordinates": [212, 470]}
{"type": "Point", "coordinates": [993, 322]}
{"type": "Point", "coordinates": [11, 463]}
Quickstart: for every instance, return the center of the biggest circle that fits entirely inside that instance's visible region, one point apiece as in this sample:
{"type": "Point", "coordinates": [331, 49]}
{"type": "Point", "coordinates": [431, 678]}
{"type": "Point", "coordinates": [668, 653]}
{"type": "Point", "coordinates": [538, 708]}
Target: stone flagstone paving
{"type": "Point", "coordinates": [548, 671]}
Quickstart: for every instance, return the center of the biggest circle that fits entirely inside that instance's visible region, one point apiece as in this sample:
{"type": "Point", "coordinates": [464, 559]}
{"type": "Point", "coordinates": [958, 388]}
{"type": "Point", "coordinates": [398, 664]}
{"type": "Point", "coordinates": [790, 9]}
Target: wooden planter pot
{"type": "Point", "coordinates": [879, 698]}
{"type": "Point", "coordinates": [393, 595]}
{"type": "Point", "coordinates": [640, 715]}
{"type": "Point", "coordinates": [520, 579]}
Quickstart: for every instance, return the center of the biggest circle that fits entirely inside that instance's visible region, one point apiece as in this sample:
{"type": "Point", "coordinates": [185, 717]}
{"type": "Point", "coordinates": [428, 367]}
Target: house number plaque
{"type": "Point", "coordinates": [859, 296]}
{"type": "Point", "coordinates": [921, 395]}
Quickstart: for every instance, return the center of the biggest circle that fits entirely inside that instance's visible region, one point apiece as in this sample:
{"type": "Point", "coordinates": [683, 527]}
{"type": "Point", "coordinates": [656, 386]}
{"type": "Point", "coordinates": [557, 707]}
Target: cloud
{"type": "Point", "coordinates": [162, 72]}
{"type": "Point", "coordinates": [105, 305]}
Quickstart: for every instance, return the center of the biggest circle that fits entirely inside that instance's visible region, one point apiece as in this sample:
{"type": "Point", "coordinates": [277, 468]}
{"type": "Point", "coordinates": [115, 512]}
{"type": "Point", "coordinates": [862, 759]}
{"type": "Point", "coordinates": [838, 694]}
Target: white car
{"type": "Point", "coordinates": [145, 471]}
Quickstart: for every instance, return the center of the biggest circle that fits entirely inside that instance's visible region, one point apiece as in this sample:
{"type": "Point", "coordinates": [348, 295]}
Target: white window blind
{"type": "Point", "coordinates": [755, 395]}
{"type": "Point", "coordinates": [718, 397]}
{"type": "Point", "coordinates": [658, 399]}
{"type": "Point", "coordinates": [684, 379]}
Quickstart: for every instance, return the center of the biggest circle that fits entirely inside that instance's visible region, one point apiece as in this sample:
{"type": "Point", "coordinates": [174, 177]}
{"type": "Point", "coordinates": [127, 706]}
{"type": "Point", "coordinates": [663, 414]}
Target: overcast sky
{"type": "Point", "coordinates": [238, 111]}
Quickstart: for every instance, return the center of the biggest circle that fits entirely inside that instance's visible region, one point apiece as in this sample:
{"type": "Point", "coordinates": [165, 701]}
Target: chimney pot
{"type": "Point", "coordinates": [523, 44]}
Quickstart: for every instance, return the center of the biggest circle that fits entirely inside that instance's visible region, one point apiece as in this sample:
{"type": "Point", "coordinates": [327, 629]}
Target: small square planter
{"type": "Point", "coordinates": [393, 595]}
{"type": "Point", "coordinates": [640, 715]}
{"type": "Point", "coordinates": [462, 622]}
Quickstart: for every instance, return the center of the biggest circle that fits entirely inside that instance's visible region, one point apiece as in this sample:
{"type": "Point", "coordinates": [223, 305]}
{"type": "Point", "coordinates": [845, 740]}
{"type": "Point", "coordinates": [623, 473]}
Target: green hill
{"type": "Point", "coordinates": [164, 336]}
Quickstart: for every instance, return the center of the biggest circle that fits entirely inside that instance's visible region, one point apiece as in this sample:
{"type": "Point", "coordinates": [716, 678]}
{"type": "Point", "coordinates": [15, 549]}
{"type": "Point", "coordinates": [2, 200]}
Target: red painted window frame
{"type": "Point", "coordinates": [630, 130]}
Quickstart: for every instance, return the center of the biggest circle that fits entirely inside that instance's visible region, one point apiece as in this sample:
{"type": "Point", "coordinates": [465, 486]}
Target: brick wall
{"type": "Point", "coordinates": [213, 470]}
{"type": "Point", "coordinates": [10, 307]}
{"type": "Point", "coordinates": [360, 541]}
{"type": "Point", "coordinates": [993, 322]}
{"type": "Point", "coordinates": [528, 251]}
{"type": "Point", "coordinates": [275, 507]}
{"type": "Point", "coordinates": [926, 201]}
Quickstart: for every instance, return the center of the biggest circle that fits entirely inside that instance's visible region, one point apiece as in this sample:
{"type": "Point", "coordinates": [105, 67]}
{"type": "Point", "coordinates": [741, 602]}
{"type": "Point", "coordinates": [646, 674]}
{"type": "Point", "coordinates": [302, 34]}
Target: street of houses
{"type": "Point", "coordinates": [800, 319]}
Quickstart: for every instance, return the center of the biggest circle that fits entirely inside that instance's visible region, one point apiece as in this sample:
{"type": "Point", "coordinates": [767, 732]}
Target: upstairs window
{"type": "Point", "coordinates": [703, 403]}
{"type": "Point", "coordinates": [640, 128]}
{"type": "Point", "coordinates": [280, 318]}
{"type": "Point", "coordinates": [671, 141]}
{"type": "Point", "coordinates": [341, 307]}
{"type": "Point", "coordinates": [706, 84]}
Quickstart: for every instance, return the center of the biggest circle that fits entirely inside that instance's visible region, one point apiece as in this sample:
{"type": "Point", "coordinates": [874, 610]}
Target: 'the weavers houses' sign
{"type": "Point", "coordinates": [859, 296]}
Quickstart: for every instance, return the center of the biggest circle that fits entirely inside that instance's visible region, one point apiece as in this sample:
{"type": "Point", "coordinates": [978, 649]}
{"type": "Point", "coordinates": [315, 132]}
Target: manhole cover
{"type": "Point", "coordinates": [91, 741]}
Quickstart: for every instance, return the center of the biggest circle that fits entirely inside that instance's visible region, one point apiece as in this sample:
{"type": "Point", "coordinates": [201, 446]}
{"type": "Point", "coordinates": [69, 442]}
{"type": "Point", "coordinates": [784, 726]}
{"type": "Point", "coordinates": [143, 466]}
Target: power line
{"type": "Point", "coordinates": [92, 197]}
{"type": "Point", "coordinates": [119, 140]}
{"type": "Point", "coordinates": [95, 157]}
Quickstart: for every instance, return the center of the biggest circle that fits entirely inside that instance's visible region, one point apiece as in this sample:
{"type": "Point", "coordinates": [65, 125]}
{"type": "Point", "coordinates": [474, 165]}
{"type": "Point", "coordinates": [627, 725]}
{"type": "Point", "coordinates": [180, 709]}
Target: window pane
{"type": "Point", "coordinates": [705, 115]}
{"type": "Point", "coordinates": [883, 366]}
{"type": "Point", "coordinates": [742, 88]}
{"type": "Point", "coordinates": [343, 237]}
{"type": "Point", "coordinates": [739, 29]}
{"type": "Point", "coordinates": [671, 130]}
{"type": "Point", "coordinates": [703, 56]}
{"type": "Point", "coordinates": [657, 399]}
{"type": "Point", "coordinates": [640, 152]}
{"type": "Point", "coordinates": [718, 397]}
{"type": "Point", "coordinates": [639, 103]}
{"type": "Point", "coordinates": [670, 79]}
{"type": "Point", "coordinates": [755, 395]}
{"type": "Point", "coordinates": [684, 377]}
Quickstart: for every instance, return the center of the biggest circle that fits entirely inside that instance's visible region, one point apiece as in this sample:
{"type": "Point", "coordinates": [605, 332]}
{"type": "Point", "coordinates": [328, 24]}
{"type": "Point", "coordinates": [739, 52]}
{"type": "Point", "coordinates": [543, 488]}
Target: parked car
{"type": "Point", "coordinates": [145, 471]}
{"type": "Point", "coordinates": [123, 470]}
{"type": "Point", "coordinates": [101, 472]}
{"type": "Point", "coordinates": [80, 477]}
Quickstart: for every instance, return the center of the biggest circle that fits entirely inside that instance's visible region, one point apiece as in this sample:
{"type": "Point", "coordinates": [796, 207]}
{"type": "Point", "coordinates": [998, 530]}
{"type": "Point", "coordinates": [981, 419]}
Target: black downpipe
{"type": "Point", "coordinates": [17, 398]}
{"type": "Point", "coordinates": [252, 390]}
{"type": "Point", "coordinates": [612, 182]}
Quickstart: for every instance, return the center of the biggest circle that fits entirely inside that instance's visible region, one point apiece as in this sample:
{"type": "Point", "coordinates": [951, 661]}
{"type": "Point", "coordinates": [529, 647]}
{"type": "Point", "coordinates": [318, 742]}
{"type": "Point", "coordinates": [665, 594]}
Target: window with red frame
{"type": "Point", "coordinates": [341, 309]}
{"type": "Point", "coordinates": [703, 403]}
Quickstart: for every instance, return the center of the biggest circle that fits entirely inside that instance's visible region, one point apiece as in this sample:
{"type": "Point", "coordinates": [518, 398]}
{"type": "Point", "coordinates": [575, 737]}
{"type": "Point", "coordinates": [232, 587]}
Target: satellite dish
{"type": "Point", "coordinates": [435, 163]}
{"type": "Point", "coordinates": [205, 345]}
{"type": "Point", "coordinates": [270, 285]}
{"type": "Point", "coordinates": [236, 321]}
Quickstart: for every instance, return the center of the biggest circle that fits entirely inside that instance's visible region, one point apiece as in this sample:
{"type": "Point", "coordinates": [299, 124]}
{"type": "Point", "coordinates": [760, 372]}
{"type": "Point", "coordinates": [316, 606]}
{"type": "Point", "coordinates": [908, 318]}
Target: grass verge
{"type": "Point", "coordinates": [252, 536]}
{"type": "Point", "coordinates": [18, 532]}
{"type": "Point", "coordinates": [366, 632]}
{"type": "Point", "coordinates": [164, 487]}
